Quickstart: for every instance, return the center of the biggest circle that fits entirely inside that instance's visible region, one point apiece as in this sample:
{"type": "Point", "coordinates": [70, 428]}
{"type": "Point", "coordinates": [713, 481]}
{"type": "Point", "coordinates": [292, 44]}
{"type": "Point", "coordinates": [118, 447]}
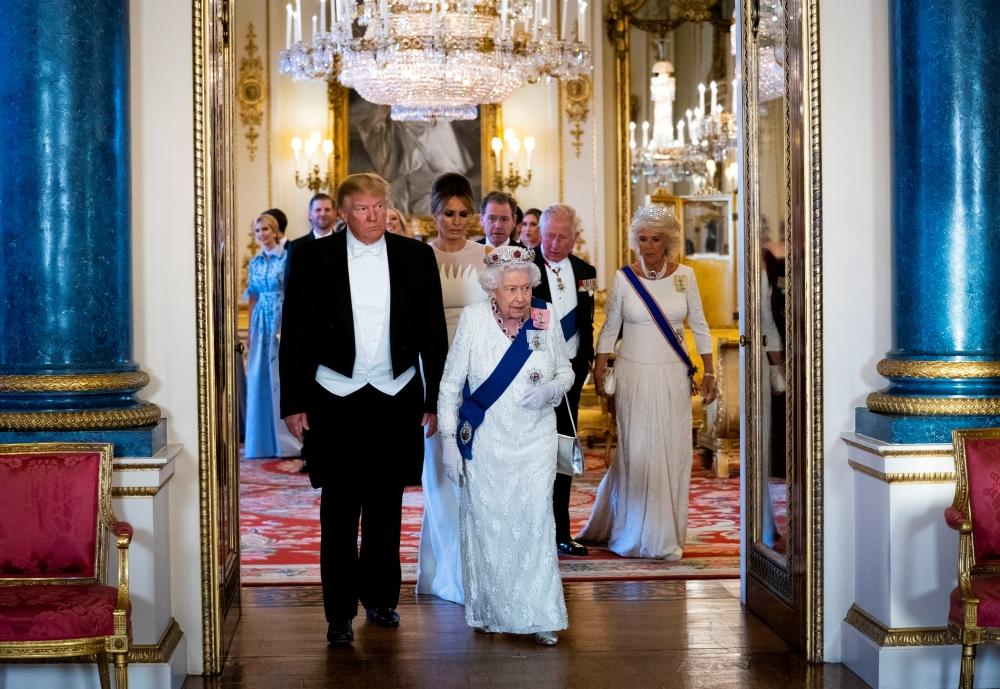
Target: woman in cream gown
{"type": "Point", "coordinates": [642, 503]}
{"type": "Point", "coordinates": [439, 565]}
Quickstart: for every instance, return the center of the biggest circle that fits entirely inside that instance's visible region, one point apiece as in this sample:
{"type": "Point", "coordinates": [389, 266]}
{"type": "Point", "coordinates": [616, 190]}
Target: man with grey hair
{"type": "Point", "coordinates": [568, 283]}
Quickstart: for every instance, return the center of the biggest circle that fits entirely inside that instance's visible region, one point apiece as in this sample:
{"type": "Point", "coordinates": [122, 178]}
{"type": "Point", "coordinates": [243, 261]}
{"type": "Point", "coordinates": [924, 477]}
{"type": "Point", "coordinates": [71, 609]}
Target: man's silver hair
{"type": "Point", "coordinates": [559, 211]}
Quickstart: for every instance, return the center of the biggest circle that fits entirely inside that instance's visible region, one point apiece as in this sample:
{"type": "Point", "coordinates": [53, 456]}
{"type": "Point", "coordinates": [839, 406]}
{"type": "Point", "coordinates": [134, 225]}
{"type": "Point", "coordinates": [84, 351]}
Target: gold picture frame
{"type": "Point", "coordinates": [338, 130]}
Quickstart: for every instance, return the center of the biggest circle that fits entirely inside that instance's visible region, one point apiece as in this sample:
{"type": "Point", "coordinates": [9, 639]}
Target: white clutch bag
{"type": "Point", "coordinates": [608, 382]}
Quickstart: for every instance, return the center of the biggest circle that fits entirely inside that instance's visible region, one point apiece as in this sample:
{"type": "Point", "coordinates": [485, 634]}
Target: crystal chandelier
{"type": "Point", "coordinates": [668, 156]}
{"type": "Point", "coordinates": [438, 59]}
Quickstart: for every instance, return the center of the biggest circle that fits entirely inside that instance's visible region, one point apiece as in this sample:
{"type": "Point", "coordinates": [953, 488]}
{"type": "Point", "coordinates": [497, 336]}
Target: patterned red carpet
{"type": "Point", "coordinates": [280, 529]}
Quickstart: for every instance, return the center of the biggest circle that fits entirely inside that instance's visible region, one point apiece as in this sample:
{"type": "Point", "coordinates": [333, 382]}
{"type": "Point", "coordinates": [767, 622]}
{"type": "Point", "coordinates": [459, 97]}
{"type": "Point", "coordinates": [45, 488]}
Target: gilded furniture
{"type": "Point", "coordinates": [719, 436]}
{"type": "Point", "coordinates": [55, 517]}
{"type": "Point", "coordinates": [974, 612]}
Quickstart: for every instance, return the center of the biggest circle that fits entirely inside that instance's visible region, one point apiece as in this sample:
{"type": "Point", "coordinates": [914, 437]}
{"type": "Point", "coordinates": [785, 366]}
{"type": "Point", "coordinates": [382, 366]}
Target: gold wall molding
{"type": "Point", "coordinates": [138, 467]}
{"type": "Point", "coordinates": [577, 108]}
{"type": "Point", "coordinates": [145, 414]}
{"type": "Point", "coordinates": [77, 382]}
{"type": "Point", "coordinates": [162, 650]}
{"type": "Point", "coordinates": [138, 491]}
{"type": "Point", "coordinates": [251, 91]}
{"type": "Point", "coordinates": [897, 368]}
{"type": "Point", "coordinates": [889, 451]}
{"type": "Point", "coordinates": [884, 636]}
{"type": "Point", "coordinates": [933, 406]}
{"type": "Point", "coordinates": [908, 477]}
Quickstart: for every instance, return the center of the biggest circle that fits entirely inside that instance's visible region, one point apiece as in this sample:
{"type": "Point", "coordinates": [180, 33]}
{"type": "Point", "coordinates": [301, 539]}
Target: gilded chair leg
{"type": "Point", "coordinates": [968, 670]}
{"type": "Point", "coordinates": [102, 670]}
{"type": "Point", "coordinates": [121, 670]}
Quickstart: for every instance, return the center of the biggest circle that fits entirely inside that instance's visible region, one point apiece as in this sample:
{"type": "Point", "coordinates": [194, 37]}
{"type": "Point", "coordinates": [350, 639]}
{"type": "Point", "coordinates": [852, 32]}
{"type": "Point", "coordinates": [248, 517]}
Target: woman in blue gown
{"type": "Point", "coordinates": [266, 434]}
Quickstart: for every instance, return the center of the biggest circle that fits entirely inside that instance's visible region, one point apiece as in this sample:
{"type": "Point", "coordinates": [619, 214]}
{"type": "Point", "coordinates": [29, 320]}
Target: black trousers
{"type": "Point", "coordinates": [363, 449]}
{"type": "Point", "coordinates": [564, 426]}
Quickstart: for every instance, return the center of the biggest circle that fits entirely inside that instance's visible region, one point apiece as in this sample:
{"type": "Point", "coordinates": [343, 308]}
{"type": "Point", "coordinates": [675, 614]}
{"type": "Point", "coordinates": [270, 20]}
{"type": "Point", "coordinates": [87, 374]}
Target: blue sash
{"type": "Point", "coordinates": [568, 323]}
{"type": "Point", "coordinates": [659, 318]}
{"type": "Point", "coordinates": [472, 412]}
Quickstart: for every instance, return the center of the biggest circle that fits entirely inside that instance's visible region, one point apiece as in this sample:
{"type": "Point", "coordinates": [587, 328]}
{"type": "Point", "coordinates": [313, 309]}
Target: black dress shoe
{"type": "Point", "coordinates": [571, 547]}
{"type": "Point", "coordinates": [339, 633]}
{"type": "Point", "coordinates": [383, 617]}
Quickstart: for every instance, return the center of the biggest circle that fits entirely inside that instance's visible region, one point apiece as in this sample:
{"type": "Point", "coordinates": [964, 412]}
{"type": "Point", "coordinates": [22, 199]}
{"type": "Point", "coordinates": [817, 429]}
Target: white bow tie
{"type": "Point", "coordinates": [360, 249]}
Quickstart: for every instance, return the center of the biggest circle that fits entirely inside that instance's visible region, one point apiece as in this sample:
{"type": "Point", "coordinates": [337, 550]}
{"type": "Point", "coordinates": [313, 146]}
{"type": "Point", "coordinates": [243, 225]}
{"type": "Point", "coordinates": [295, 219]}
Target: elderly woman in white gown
{"type": "Point", "coordinates": [506, 371]}
{"type": "Point", "coordinates": [642, 503]}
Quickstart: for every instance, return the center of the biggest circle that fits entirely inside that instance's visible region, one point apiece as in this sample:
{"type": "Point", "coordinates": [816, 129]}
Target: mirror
{"type": "Point", "coordinates": [676, 69]}
{"type": "Point", "coordinates": [772, 219]}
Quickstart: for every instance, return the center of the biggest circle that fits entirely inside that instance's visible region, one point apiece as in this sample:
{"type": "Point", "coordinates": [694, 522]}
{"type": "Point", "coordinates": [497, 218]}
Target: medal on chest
{"type": "Point", "coordinates": [680, 283]}
{"type": "Point", "coordinates": [536, 340]}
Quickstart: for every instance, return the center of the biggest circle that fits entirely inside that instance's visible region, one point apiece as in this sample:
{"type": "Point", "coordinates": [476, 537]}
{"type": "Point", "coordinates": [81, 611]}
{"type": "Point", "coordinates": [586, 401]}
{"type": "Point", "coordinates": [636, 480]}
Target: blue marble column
{"type": "Point", "coordinates": [65, 255]}
{"type": "Point", "coordinates": [944, 367]}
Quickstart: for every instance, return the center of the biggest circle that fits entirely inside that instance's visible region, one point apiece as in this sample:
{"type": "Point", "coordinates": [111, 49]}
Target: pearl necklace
{"type": "Point", "coordinates": [653, 274]}
{"type": "Point", "coordinates": [499, 318]}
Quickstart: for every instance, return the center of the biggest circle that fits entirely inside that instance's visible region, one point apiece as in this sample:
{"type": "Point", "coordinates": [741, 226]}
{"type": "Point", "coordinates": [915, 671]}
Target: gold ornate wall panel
{"type": "Point", "coordinates": [251, 91]}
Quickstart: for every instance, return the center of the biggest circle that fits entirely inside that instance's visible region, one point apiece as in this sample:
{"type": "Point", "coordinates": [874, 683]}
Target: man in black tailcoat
{"type": "Point", "coordinates": [362, 312]}
{"type": "Point", "coordinates": [568, 284]}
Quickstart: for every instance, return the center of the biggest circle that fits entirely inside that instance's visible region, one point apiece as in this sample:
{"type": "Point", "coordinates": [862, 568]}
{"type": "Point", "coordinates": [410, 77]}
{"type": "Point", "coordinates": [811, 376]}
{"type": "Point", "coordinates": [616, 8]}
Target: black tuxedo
{"type": "Point", "coordinates": [581, 367]}
{"type": "Point", "coordinates": [365, 446]}
{"type": "Point", "coordinates": [482, 240]}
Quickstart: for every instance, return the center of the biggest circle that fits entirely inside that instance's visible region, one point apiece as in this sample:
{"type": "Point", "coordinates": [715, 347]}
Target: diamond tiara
{"type": "Point", "coordinates": [508, 255]}
{"type": "Point", "coordinates": [653, 213]}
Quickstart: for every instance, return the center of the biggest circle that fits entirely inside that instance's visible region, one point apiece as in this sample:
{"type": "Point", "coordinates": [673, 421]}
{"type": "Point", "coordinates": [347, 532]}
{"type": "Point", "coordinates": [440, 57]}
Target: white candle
{"type": "Point", "coordinates": [322, 15]}
{"type": "Point", "coordinates": [314, 27]}
{"type": "Point", "coordinates": [701, 97]}
{"type": "Point", "coordinates": [434, 17]}
{"type": "Point", "coordinates": [645, 134]}
{"type": "Point", "coordinates": [631, 135]}
{"type": "Point", "coordinates": [298, 20]}
{"type": "Point", "coordinates": [529, 146]}
{"type": "Point", "coordinates": [551, 16]}
{"type": "Point", "coordinates": [383, 7]}
{"type": "Point", "coordinates": [715, 89]}
{"type": "Point", "coordinates": [564, 24]}
{"type": "Point", "coordinates": [504, 8]}
{"type": "Point", "coordinates": [334, 7]}
{"type": "Point", "coordinates": [288, 26]}
{"type": "Point", "coordinates": [680, 132]}
{"type": "Point", "coordinates": [581, 22]}
{"type": "Point", "coordinates": [534, 19]}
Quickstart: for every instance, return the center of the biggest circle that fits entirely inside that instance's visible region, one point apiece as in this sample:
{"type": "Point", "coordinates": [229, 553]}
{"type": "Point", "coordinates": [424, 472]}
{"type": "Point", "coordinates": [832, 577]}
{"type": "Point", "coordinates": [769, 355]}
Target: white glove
{"type": "Point", "coordinates": [777, 375]}
{"type": "Point", "coordinates": [451, 459]}
{"type": "Point", "coordinates": [541, 396]}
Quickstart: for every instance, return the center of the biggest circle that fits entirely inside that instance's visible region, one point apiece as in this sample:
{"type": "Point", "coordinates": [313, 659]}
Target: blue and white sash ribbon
{"type": "Point", "coordinates": [472, 412]}
{"type": "Point", "coordinates": [659, 318]}
{"type": "Point", "coordinates": [568, 324]}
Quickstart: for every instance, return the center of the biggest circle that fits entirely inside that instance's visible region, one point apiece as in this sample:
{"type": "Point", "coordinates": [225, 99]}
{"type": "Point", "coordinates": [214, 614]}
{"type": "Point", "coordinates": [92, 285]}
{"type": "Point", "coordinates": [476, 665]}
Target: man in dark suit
{"type": "Point", "coordinates": [568, 284]}
{"type": "Point", "coordinates": [496, 216]}
{"type": "Point", "coordinates": [362, 311]}
{"type": "Point", "coordinates": [322, 220]}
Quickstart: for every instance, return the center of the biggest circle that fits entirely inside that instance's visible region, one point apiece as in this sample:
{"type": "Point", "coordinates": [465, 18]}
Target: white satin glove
{"type": "Point", "coordinates": [541, 396]}
{"type": "Point", "coordinates": [451, 459]}
{"type": "Point", "coordinates": [777, 375]}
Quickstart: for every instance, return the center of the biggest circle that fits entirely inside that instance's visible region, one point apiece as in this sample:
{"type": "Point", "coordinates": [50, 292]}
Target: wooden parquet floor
{"type": "Point", "coordinates": [632, 635]}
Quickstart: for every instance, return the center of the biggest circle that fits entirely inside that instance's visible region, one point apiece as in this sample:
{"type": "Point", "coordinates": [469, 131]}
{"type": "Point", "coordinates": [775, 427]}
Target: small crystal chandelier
{"type": "Point", "coordinates": [438, 59]}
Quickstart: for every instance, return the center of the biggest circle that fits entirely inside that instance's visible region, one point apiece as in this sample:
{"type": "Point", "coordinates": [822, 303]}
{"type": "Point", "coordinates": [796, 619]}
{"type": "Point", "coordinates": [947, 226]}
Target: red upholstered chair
{"type": "Point", "coordinates": [974, 614]}
{"type": "Point", "coordinates": [55, 516]}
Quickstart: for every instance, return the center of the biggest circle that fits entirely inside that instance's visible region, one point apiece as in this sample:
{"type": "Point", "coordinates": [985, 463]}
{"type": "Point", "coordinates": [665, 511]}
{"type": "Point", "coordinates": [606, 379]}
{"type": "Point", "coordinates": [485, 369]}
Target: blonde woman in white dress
{"type": "Point", "coordinates": [439, 565]}
{"type": "Point", "coordinates": [642, 503]}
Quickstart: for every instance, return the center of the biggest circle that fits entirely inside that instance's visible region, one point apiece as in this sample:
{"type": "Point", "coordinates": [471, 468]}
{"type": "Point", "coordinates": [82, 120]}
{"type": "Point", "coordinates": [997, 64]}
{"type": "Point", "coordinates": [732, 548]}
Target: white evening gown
{"type": "Point", "coordinates": [510, 568]}
{"type": "Point", "coordinates": [439, 562]}
{"type": "Point", "coordinates": [642, 503]}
